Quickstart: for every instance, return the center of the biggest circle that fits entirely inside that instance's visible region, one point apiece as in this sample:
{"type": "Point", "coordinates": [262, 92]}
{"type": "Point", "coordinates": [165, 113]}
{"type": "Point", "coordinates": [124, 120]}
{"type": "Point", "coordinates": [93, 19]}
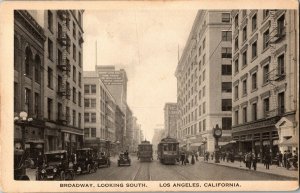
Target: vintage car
{"type": "Point", "coordinates": [124, 160]}
{"type": "Point", "coordinates": [19, 165]}
{"type": "Point", "coordinates": [103, 160]}
{"type": "Point", "coordinates": [56, 167]}
{"type": "Point", "coordinates": [85, 161]}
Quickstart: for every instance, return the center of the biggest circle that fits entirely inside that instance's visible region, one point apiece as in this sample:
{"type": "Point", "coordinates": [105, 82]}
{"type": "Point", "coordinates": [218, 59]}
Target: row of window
{"type": "Point", "coordinates": [90, 89]}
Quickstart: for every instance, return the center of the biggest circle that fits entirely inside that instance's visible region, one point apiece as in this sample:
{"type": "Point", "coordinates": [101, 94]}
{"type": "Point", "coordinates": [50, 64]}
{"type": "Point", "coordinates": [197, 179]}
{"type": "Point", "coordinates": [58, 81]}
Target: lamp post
{"type": "Point", "coordinates": [23, 120]}
{"type": "Point", "coordinates": [118, 143]}
{"type": "Point", "coordinates": [217, 134]}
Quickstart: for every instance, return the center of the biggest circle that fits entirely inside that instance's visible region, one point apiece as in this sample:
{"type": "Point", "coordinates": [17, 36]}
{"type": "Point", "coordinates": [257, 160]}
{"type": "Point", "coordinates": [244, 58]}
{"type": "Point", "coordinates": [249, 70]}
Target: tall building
{"type": "Point", "coordinates": [63, 107]}
{"type": "Point", "coordinates": [204, 81]}
{"type": "Point", "coordinates": [129, 129]}
{"type": "Point", "coordinates": [157, 136]}
{"type": "Point", "coordinates": [28, 80]}
{"type": "Point", "coordinates": [170, 111]}
{"type": "Point", "coordinates": [120, 126]}
{"type": "Point", "coordinates": [99, 112]}
{"type": "Point", "coordinates": [265, 80]}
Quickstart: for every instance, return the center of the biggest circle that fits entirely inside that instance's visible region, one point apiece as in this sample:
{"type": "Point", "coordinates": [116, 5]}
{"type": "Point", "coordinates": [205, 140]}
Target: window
{"type": "Point", "coordinates": [59, 111]}
{"type": "Point", "coordinates": [86, 102]}
{"type": "Point", "coordinates": [86, 89]}
{"type": "Point", "coordinates": [93, 103]}
{"type": "Point", "coordinates": [200, 126]}
{"type": "Point", "coordinates": [236, 66]}
{"type": "Point", "coordinates": [244, 13]}
{"type": "Point", "coordinates": [36, 104]}
{"type": "Point", "coordinates": [74, 118]}
{"type": "Point", "coordinates": [50, 21]}
{"type": "Point", "coordinates": [266, 106]}
{"type": "Point", "coordinates": [204, 59]}
{"type": "Point", "coordinates": [87, 132]}
{"type": "Point", "coordinates": [74, 52]}
{"type": "Point", "coordinates": [79, 79]}
{"type": "Point", "coordinates": [74, 94]}
{"type": "Point", "coordinates": [86, 117]}
{"type": "Point", "coordinates": [68, 115]}
{"type": "Point", "coordinates": [254, 111]}
{"type": "Point", "coordinates": [245, 33]}
{"type": "Point", "coordinates": [266, 39]}
{"type": "Point", "coordinates": [37, 70]}
{"type": "Point", "coordinates": [280, 26]}
{"type": "Point", "coordinates": [266, 13]}
{"type": "Point", "coordinates": [79, 99]}
{"type": "Point", "coordinates": [244, 87]}
{"type": "Point", "coordinates": [204, 108]}
{"type": "Point", "coordinates": [93, 117]}
{"type": "Point", "coordinates": [79, 59]}
{"type": "Point", "coordinates": [59, 57]}
{"type": "Point", "coordinates": [49, 108]}
{"type": "Point", "coordinates": [203, 43]}
{"type": "Point", "coordinates": [254, 49]}
{"type": "Point", "coordinates": [93, 132]}
{"type": "Point", "coordinates": [226, 69]}
{"type": "Point", "coordinates": [93, 89]}
{"type": "Point", "coordinates": [266, 74]}
{"type": "Point", "coordinates": [226, 53]}
{"type": "Point", "coordinates": [236, 21]}
{"type": "Point", "coordinates": [79, 120]}
{"type": "Point", "coordinates": [203, 91]}
{"type": "Point", "coordinates": [199, 51]}
{"type": "Point", "coordinates": [226, 104]}
{"type": "Point", "coordinates": [204, 124]}
{"type": "Point", "coordinates": [50, 78]}
{"type": "Point", "coordinates": [281, 66]}
{"type": "Point", "coordinates": [79, 17]}
{"type": "Point", "coordinates": [236, 92]}
{"type": "Point", "coordinates": [244, 58]}
{"type": "Point", "coordinates": [203, 75]}
{"type": "Point", "coordinates": [254, 22]}
{"type": "Point", "coordinates": [245, 115]}
{"type": "Point", "coordinates": [74, 30]}
{"type": "Point", "coordinates": [227, 87]}
{"type": "Point", "coordinates": [226, 17]}
{"type": "Point", "coordinates": [74, 73]}
{"type": "Point", "coordinates": [226, 123]}
{"type": "Point", "coordinates": [226, 35]}
{"type": "Point", "coordinates": [236, 43]}
{"type": "Point", "coordinates": [254, 81]}
{"type": "Point", "coordinates": [68, 91]}
{"type": "Point", "coordinates": [236, 115]}
{"type": "Point", "coordinates": [281, 106]}
{"type": "Point", "coordinates": [50, 49]}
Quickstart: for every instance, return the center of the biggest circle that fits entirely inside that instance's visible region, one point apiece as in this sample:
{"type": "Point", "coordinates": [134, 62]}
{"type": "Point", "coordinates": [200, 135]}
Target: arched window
{"type": "Point", "coordinates": [37, 69]}
{"type": "Point", "coordinates": [28, 61]}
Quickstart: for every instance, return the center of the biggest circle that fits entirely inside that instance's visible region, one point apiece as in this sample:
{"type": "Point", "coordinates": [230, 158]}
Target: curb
{"type": "Point", "coordinates": [240, 168]}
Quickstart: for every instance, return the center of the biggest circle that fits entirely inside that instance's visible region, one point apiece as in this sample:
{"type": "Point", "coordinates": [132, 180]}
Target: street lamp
{"type": "Point", "coordinates": [22, 120]}
{"type": "Point", "coordinates": [118, 143]}
{"type": "Point", "coordinates": [217, 134]}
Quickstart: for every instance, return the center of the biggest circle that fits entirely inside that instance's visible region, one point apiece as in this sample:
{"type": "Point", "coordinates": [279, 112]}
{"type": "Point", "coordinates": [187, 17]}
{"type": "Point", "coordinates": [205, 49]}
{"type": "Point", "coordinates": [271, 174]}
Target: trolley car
{"type": "Point", "coordinates": [168, 150]}
{"type": "Point", "coordinates": [145, 152]}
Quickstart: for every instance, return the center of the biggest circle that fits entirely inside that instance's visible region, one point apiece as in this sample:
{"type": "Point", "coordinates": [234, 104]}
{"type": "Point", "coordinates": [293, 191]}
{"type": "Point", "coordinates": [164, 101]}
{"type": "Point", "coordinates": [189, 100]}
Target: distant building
{"type": "Point", "coordinates": [158, 135]}
{"type": "Point", "coordinates": [129, 130]}
{"type": "Point", "coordinates": [204, 81]}
{"type": "Point", "coordinates": [265, 80]}
{"type": "Point", "coordinates": [170, 112]}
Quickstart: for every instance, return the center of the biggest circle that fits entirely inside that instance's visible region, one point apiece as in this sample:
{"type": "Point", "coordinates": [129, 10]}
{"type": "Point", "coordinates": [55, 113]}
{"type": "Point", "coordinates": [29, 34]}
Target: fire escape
{"type": "Point", "coordinates": [276, 73]}
{"type": "Point", "coordinates": [63, 64]}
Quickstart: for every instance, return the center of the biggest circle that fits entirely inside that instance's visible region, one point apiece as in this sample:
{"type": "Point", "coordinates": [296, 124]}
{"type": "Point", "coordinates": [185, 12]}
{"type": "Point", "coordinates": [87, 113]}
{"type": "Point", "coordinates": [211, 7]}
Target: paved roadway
{"type": "Point", "coordinates": [155, 171]}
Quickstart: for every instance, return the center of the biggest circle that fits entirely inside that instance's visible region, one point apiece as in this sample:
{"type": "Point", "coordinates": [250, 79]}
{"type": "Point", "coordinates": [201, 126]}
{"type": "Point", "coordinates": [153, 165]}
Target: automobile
{"type": "Point", "coordinates": [20, 165]}
{"type": "Point", "coordinates": [124, 160]}
{"type": "Point", "coordinates": [85, 161]}
{"type": "Point", "coordinates": [103, 160]}
{"type": "Point", "coordinates": [56, 167]}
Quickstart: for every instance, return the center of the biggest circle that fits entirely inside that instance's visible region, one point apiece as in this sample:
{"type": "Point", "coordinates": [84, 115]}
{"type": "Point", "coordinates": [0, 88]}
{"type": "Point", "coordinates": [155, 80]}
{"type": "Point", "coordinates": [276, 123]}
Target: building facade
{"type": "Point", "coordinates": [170, 112]}
{"type": "Point", "coordinates": [204, 81]}
{"type": "Point", "coordinates": [28, 80]}
{"type": "Point", "coordinates": [120, 126]}
{"type": "Point", "coordinates": [264, 79]}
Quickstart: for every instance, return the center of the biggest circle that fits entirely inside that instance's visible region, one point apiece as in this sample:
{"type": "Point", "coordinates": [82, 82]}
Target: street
{"type": "Point", "coordinates": [155, 171]}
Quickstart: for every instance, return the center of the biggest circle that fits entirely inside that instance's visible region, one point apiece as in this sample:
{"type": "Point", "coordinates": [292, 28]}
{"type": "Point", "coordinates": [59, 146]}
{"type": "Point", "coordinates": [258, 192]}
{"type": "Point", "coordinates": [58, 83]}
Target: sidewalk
{"type": "Point", "coordinates": [274, 169]}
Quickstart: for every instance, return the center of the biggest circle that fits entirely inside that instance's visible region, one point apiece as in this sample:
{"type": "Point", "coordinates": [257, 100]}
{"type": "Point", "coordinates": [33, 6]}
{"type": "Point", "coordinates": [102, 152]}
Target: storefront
{"type": "Point", "coordinates": [288, 137]}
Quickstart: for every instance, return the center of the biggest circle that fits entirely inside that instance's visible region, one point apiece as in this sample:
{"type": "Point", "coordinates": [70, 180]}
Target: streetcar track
{"type": "Point", "coordinates": [148, 176]}
{"type": "Point", "coordinates": [177, 172]}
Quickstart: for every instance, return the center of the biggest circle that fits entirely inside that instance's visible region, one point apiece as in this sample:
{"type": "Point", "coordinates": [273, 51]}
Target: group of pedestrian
{"type": "Point", "coordinates": [184, 158]}
{"type": "Point", "coordinates": [227, 156]}
{"type": "Point", "coordinates": [287, 159]}
{"type": "Point", "coordinates": [250, 160]}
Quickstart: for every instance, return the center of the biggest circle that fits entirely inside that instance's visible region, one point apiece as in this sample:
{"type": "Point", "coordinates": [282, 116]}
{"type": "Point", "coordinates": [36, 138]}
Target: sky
{"type": "Point", "coordinates": [145, 44]}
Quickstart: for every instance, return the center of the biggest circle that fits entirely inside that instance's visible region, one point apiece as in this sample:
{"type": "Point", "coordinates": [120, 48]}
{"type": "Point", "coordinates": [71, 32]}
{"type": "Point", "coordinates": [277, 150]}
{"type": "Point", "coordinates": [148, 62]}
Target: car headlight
{"type": "Point", "coordinates": [54, 170]}
{"type": "Point", "coordinates": [43, 171]}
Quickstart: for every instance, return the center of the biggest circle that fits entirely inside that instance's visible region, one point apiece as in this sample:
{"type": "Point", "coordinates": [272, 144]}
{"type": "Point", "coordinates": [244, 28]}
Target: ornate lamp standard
{"type": "Point", "coordinates": [217, 134]}
{"type": "Point", "coordinates": [23, 120]}
{"type": "Point", "coordinates": [118, 144]}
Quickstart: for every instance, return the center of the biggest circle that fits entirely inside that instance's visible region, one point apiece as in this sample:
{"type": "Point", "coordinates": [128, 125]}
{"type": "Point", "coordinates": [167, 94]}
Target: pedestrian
{"type": "Point", "coordinates": [182, 158]}
{"type": "Point", "coordinates": [187, 158]}
{"type": "Point", "coordinates": [285, 159]}
{"type": "Point", "coordinates": [212, 156]}
{"type": "Point", "coordinates": [193, 159]}
{"type": "Point", "coordinates": [268, 160]}
{"type": "Point", "coordinates": [280, 159]}
{"type": "Point", "coordinates": [40, 159]}
{"type": "Point", "coordinates": [227, 156]}
{"type": "Point", "coordinates": [196, 155]}
{"type": "Point", "coordinates": [254, 160]}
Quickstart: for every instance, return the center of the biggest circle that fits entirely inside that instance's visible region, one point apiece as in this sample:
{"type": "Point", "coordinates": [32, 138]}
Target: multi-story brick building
{"type": "Point", "coordinates": [120, 126]}
{"type": "Point", "coordinates": [99, 111]}
{"type": "Point", "coordinates": [264, 79]}
{"type": "Point", "coordinates": [204, 81]}
{"type": "Point", "coordinates": [28, 80]}
{"type": "Point", "coordinates": [170, 112]}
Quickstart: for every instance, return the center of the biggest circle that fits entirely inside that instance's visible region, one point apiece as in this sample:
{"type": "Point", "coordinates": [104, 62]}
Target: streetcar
{"type": "Point", "coordinates": [168, 150]}
{"type": "Point", "coordinates": [145, 152]}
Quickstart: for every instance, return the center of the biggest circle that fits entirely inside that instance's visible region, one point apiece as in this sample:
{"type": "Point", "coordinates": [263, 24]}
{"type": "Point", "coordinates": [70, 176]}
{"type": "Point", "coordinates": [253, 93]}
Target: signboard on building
{"type": "Point", "coordinates": [111, 78]}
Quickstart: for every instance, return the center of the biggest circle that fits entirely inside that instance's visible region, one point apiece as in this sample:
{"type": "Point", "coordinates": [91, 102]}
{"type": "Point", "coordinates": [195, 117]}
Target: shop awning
{"type": "Point", "coordinates": [293, 141]}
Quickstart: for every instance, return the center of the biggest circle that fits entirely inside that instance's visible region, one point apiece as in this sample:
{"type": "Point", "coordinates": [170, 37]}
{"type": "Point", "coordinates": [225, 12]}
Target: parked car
{"type": "Point", "coordinates": [56, 167]}
{"type": "Point", "coordinates": [86, 161]}
{"type": "Point", "coordinates": [20, 165]}
{"type": "Point", "coordinates": [124, 160]}
{"type": "Point", "coordinates": [103, 160]}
